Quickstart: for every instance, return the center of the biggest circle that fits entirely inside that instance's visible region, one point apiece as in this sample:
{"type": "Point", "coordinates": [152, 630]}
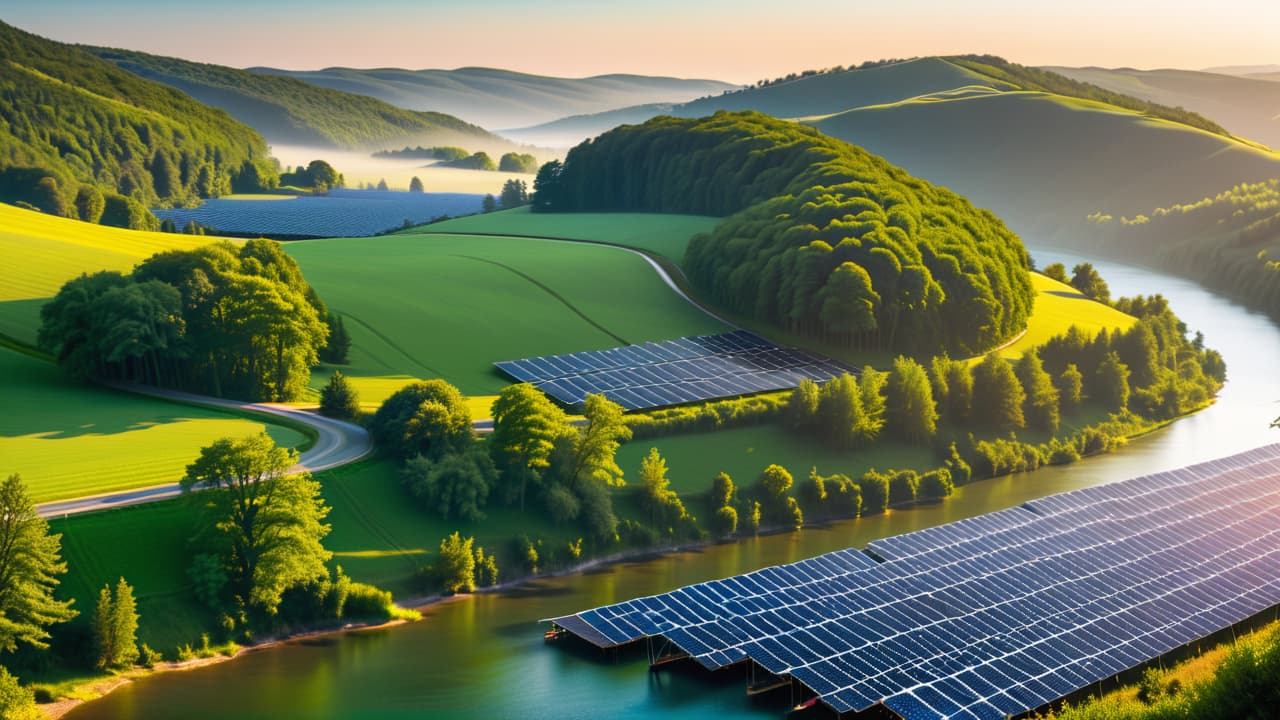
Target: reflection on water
{"type": "Point", "coordinates": [484, 656]}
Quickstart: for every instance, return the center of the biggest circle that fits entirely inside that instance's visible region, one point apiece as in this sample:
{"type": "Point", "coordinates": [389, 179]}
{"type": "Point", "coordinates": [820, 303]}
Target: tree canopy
{"type": "Point", "coordinates": [29, 569]}
{"type": "Point", "coordinates": [822, 239]}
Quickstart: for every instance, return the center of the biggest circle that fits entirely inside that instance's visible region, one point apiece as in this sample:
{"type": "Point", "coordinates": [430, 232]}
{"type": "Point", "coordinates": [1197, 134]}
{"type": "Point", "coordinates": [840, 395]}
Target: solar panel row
{"type": "Point", "coordinates": [675, 371]}
{"type": "Point", "coordinates": [1001, 613]}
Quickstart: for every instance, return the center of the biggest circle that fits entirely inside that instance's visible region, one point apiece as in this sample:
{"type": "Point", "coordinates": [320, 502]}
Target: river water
{"type": "Point", "coordinates": [484, 656]}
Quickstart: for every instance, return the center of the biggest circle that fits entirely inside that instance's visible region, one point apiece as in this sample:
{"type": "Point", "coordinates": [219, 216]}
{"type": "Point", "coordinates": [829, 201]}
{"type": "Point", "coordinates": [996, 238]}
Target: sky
{"type": "Point", "coordinates": [732, 40]}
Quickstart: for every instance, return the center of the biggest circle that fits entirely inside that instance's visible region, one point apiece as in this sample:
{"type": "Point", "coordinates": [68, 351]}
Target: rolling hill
{"type": "Point", "coordinates": [1247, 106]}
{"type": "Point", "coordinates": [292, 112]}
{"type": "Point", "coordinates": [70, 119]}
{"type": "Point", "coordinates": [502, 98]}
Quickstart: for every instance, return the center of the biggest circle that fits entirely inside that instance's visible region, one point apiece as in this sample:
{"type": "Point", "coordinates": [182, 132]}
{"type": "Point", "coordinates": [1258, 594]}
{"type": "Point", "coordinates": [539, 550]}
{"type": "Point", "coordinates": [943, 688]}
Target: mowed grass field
{"type": "Point", "coordinates": [447, 306]}
{"type": "Point", "coordinates": [42, 252]}
{"type": "Point", "coordinates": [67, 439]}
{"type": "Point", "coordinates": [665, 235]}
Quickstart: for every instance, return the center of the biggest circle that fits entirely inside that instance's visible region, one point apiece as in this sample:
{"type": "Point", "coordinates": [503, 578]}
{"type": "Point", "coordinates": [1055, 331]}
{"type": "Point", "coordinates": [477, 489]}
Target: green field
{"type": "Point", "coordinates": [69, 439]}
{"type": "Point", "coordinates": [426, 306]}
{"type": "Point", "coordinates": [41, 252]}
{"type": "Point", "coordinates": [665, 235]}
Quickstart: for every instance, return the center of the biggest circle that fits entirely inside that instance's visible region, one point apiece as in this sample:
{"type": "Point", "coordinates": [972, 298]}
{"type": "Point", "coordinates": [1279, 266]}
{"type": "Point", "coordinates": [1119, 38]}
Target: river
{"type": "Point", "coordinates": [483, 656]}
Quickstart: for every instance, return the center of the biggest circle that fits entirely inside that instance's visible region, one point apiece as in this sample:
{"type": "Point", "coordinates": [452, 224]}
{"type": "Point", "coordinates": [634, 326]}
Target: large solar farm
{"type": "Point", "coordinates": [993, 616]}
{"type": "Point", "coordinates": [674, 372]}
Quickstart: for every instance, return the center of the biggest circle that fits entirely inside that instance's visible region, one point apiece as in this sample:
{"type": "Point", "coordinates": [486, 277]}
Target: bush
{"type": "Point", "coordinates": [903, 486]}
{"type": "Point", "coordinates": [738, 412]}
{"type": "Point", "coordinates": [936, 484]}
{"type": "Point", "coordinates": [725, 522]}
{"type": "Point", "coordinates": [875, 492]}
{"type": "Point", "coordinates": [366, 602]}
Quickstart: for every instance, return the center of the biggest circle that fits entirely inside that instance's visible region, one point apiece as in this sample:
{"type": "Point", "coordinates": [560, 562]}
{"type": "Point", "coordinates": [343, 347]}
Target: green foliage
{"type": "Point", "coordinates": [1056, 271]}
{"type": "Point", "coordinates": [904, 485]}
{"type": "Point", "coordinates": [589, 453]}
{"type": "Point", "coordinates": [1112, 382]}
{"type": "Point", "coordinates": [518, 163]}
{"type": "Point", "coordinates": [489, 203]}
{"type": "Point", "coordinates": [666, 511]}
{"type": "Point", "coordinates": [935, 485]}
{"type": "Point", "coordinates": [997, 395]}
{"type": "Point", "coordinates": [875, 492]}
{"type": "Point", "coordinates": [265, 525]}
{"type": "Point", "coordinates": [318, 175]}
{"type": "Point", "coordinates": [487, 567]}
{"type": "Point", "coordinates": [430, 153]}
{"type": "Point", "coordinates": [753, 516]}
{"type": "Point", "coordinates": [29, 570]}
{"type": "Point", "coordinates": [338, 398]}
{"type": "Point", "coordinates": [115, 628]}
{"type": "Point", "coordinates": [835, 496]}
{"type": "Point", "coordinates": [546, 186]}
{"type": "Point", "coordinates": [225, 320]}
{"type": "Point", "coordinates": [475, 161]}
{"type": "Point", "coordinates": [515, 193]}
{"type": "Point", "coordinates": [526, 425]}
{"type": "Point", "coordinates": [426, 418]}
{"type": "Point", "coordinates": [1070, 386]}
{"type": "Point", "coordinates": [338, 346]}
{"type": "Point", "coordinates": [824, 240]}
{"type": "Point", "coordinates": [456, 564]}
{"type": "Point", "coordinates": [776, 506]}
{"type": "Point", "coordinates": [724, 522]}
{"type": "Point", "coordinates": [1041, 407]}
{"type": "Point", "coordinates": [125, 212]}
{"type": "Point", "coordinates": [78, 120]}
{"type": "Point", "coordinates": [456, 485]}
{"type": "Point", "coordinates": [709, 416]}
{"type": "Point", "coordinates": [16, 702]}
{"type": "Point", "coordinates": [1085, 278]}
{"type": "Point", "coordinates": [722, 490]}
{"type": "Point", "coordinates": [910, 412]}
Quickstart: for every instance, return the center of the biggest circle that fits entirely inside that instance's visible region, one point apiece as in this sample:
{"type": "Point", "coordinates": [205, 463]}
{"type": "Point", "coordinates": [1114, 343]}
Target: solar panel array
{"type": "Point", "coordinates": [997, 614]}
{"type": "Point", "coordinates": [657, 374]}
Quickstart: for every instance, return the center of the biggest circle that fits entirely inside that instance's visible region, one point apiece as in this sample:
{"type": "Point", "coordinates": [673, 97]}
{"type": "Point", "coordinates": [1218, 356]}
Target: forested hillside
{"type": "Point", "coordinates": [290, 111]}
{"type": "Point", "coordinates": [823, 240]}
{"type": "Point", "coordinates": [82, 138]}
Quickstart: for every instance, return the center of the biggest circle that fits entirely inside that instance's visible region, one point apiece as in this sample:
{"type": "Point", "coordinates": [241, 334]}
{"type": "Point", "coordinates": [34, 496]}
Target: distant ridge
{"type": "Point", "coordinates": [497, 98]}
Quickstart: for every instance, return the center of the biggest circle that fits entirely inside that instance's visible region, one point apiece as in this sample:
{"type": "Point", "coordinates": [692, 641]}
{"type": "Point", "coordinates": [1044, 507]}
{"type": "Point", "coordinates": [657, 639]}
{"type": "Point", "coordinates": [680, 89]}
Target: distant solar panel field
{"type": "Point", "coordinates": [995, 615]}
{"type": "Point", "coordinates": [674, 372]}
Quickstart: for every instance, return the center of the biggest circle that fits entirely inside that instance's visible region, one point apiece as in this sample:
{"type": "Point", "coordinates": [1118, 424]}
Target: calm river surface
{"type": "Point", "coordinates": [484, 656]}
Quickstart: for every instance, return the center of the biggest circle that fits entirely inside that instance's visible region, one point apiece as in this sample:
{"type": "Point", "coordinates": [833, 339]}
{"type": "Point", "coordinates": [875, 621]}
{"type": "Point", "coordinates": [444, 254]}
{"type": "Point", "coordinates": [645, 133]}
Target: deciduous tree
{"type": "Point", "coordinates": [525, 427]}
{"type": "Point", "coordinates": [910, 411]}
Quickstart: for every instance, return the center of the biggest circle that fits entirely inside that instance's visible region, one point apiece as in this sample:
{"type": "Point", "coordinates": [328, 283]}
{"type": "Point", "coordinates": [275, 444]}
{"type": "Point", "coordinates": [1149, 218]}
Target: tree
{"type": "Point", "coordinates": [1056, 271]}
{"type": "Point", "coordinates": [338, 346]}
{"type": "Point", "coordinates": [47, 197]}
{"type": "Point", "coordinates": [1070, 384]}
{"type": "Point", "coordinates": [17, 702]}
{"type": "Point", "coordinates": [265, 523]}
{"type": "Point", "coordinates": [29, 569]}
{"type": "Point", "coordinates": [514, 194]}
{"type": "Point", "coordinates": [593, 448]}
{"type": "Point", "coordinates": [997, 394]}
{"type": "Point", "coordinates": [802, 405]}
{"type": "Point", "coordinates": [125, 212]}
{"type": "Point", "coordinates": [1085, 278]}
{"type": "Point", "coordinates": [775, 481]}
{"type": "Point", "coordinates": [456, 565]}
{"type": "Point", "coordinates": [840, 412]}
{"type": "Point", "coordinates": [871, 384]}
{"type": "Point", "coordinates": [518, 163]}
{"type": "Point", "coordinates": [546, 186]}
{"type": "Point", "coordinates": [486, 568]}
{"type": "Point", "coordinates": [663, 504]}
{"type": "Point", "coordinates": [725, 521]}
{"type": "Point", "coordinates": [115, 627]}
{"type": "Point", "coordinates": [415, 184]}
{"type": "Point", "coordinates": [382, 185]}
{"type": "Point", "coordinates": [1112, 382]}
{"type": "Point", "coordinates": [164, 176]}
{"type": "Point", "coordinates": [489, 203]}
{"type": "Point", "coordinates": [936, 484]}
{"type": "Point", "coordinates": [425, 418]}
{"type": "Point", "coordinates": [90, 203]}
{"type": "Point", "coordinates": [525, 427]}
{"type": "Point", "coordinates": [903, 486]}
{"type": "Point", "coordinates": [1041, 406]}
{"type": "Point", "coordinates": [1139, 351]}
{"type": "Point", "coordinates": [722, 490]}
{"type": "Point", "coordinates": [909, 408]}
{"type": "Point", "coordinates": [456, 485]}
{"type": "Point", "coordinates": [875, 492]}
{"type": "Point", "coordinates": [338, 398]}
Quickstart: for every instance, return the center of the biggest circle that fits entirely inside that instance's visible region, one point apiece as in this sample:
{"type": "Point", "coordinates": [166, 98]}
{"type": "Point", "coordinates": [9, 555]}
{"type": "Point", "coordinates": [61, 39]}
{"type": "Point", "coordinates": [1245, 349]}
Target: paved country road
{"type": "Point", "coordinates": [337, 443]}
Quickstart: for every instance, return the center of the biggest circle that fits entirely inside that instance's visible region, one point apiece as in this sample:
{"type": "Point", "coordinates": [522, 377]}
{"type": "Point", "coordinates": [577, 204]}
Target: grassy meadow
{"type": "Point", "coordinates": [69, 439]}
{"type": "Point", "coordinates": [1058, 307]}
{"type": "Point", "coordinates": [425, 306]}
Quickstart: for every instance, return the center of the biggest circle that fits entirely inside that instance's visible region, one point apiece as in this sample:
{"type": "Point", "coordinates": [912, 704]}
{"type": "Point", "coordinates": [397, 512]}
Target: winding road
{"type": "Point", "coordinates": [337, 443]}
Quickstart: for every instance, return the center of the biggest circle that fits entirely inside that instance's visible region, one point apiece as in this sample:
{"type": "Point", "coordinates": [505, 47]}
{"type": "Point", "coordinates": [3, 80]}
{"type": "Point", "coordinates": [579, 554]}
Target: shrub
{"type": "Point", "coordinates": [875, 492]}
{"type": "Point", "coordinates": [936, 484]}
{"type": "Point", "coordinates": [725, 522]}
{"type": "Point", "coordinates": [903, 486]}
{"type": "Point", "coordinates": [367, 602]}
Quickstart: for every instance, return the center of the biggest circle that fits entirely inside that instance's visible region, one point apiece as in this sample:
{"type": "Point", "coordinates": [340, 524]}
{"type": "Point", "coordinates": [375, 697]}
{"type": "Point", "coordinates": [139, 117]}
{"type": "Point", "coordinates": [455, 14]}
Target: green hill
{"type": "Point", "coordinates": [1248, 107]}
{"type": "Point", "coordinates": [1044, 163]}
{"type": "Point", "coordinates": [69, 120]}
{"type": "Point", "coordinates": [502, 98]}
{"type": "Point", "coordinates": [289, 111]}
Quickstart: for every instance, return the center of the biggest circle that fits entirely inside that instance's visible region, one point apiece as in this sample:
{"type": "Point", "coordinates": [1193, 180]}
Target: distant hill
{"type": "Point", "coordinates": [502, 98]}
{"type": "Point", "coordinates": [292, 112]}
{"type": "Point", "coordinates": [1269, 77]}
{"type": "Point", "coordinates": [1247, 106]}
{"type": "Point", "coordinates": [72, 124]}
{"type": "Point", "coordinates": [1043, 162]}
{"type": "Point", "coordinates": [1243, 69]}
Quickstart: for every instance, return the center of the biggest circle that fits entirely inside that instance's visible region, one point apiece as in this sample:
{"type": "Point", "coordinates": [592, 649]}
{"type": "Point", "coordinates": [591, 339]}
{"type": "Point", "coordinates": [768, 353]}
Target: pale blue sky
{"type": "Point", "coordinates": [736, 40]}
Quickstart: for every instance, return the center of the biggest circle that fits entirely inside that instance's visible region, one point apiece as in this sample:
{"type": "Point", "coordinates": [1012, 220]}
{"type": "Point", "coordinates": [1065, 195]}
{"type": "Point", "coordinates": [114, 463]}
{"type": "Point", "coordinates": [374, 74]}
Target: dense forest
{"type": "Point", "coordinates": [288, 110]}
{"type": "Point", "coordinates": [220, 319]}
{"type": "Point", "coordinates": [823, 239]}
{"type": "Point", "coordinates": [1229, 242]}
{"type": "Point", "coordinates": [83, 138]}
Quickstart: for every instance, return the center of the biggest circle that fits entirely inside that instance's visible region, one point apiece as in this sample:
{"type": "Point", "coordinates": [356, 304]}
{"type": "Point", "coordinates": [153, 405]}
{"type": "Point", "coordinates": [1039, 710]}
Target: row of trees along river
{"type": "Point", "coordinates": [485, 655]}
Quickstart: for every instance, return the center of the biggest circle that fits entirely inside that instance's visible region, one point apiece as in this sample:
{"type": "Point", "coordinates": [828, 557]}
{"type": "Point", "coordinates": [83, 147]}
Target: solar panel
{"type": "Point", "coordinates": [675, 371]}
{"type": "Point", "coordinates": [996, 614]}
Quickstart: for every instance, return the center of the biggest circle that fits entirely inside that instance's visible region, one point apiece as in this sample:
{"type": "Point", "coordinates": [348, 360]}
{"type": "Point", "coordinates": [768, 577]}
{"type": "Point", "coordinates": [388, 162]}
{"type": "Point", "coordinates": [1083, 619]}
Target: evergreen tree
{"type": "Point", "coordinates": [1070, 385]}
{"type": "Point", "coordinates": [910, 411]}
{"type": "Point", "coordinates": [997, 395]}
{"type": "Point", "coordinates": [415, 184]}
{"type": "Point", "coordinates": [338, 347]}
{"type": "Point", "coordinates": [959, 392]}
{"type": "Point", "coordinates": [1041, 406]}
{"type": "Point", "coordinates": [1112, 381]}
{"type": "Point", "coordinates": [546, 186]}
{"type": "Point", "coordinates": [382, 185]}
{"type": "Point", "coordinates": [29, 569]}
{"type": "Point", "coordinates": [338, 398]}
{"type": "Point", "coordinates": [456, 564]}
{"type": "Point", "coordinates": [17, 702]}
{"type": "Point", "coordinates": [871, 389]}
{"type": "Point", "coordinates": [115, 627]}
{"type": "Point", "coordinates": [840, 410]}
{"type": "Point", "coordinates": [489, 204]}
{"type": "Point", "coordinates": [514, 194]}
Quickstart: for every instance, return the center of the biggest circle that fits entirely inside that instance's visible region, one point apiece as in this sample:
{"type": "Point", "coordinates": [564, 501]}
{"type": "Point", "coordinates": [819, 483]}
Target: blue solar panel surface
{"type": "Point", "coordinates": [675, 371]}
{"type": "Point", "coordinates": [1000, 613]}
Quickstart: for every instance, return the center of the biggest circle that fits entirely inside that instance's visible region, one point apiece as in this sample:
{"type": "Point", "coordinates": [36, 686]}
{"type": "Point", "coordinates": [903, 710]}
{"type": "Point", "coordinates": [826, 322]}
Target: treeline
{"type": "Point", "coordinates": [823, 240]}
{"type": "Point", "coordinates": [317, 176]}
{"type": "Point", "coordinates": [84, 139]}
{"type": "Point", "coordinates": [1229, 242]}
{"type": "Point", "coordinates": [510, 162]}
{"type": "Point", "coordinates": [864, 65]}
{"type": "Point", "coordinates": [1032, 78]}
{"type": "Point", "coordinates": [445, 152]}
{"type": "Point", "coordinates": [219, 319]}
